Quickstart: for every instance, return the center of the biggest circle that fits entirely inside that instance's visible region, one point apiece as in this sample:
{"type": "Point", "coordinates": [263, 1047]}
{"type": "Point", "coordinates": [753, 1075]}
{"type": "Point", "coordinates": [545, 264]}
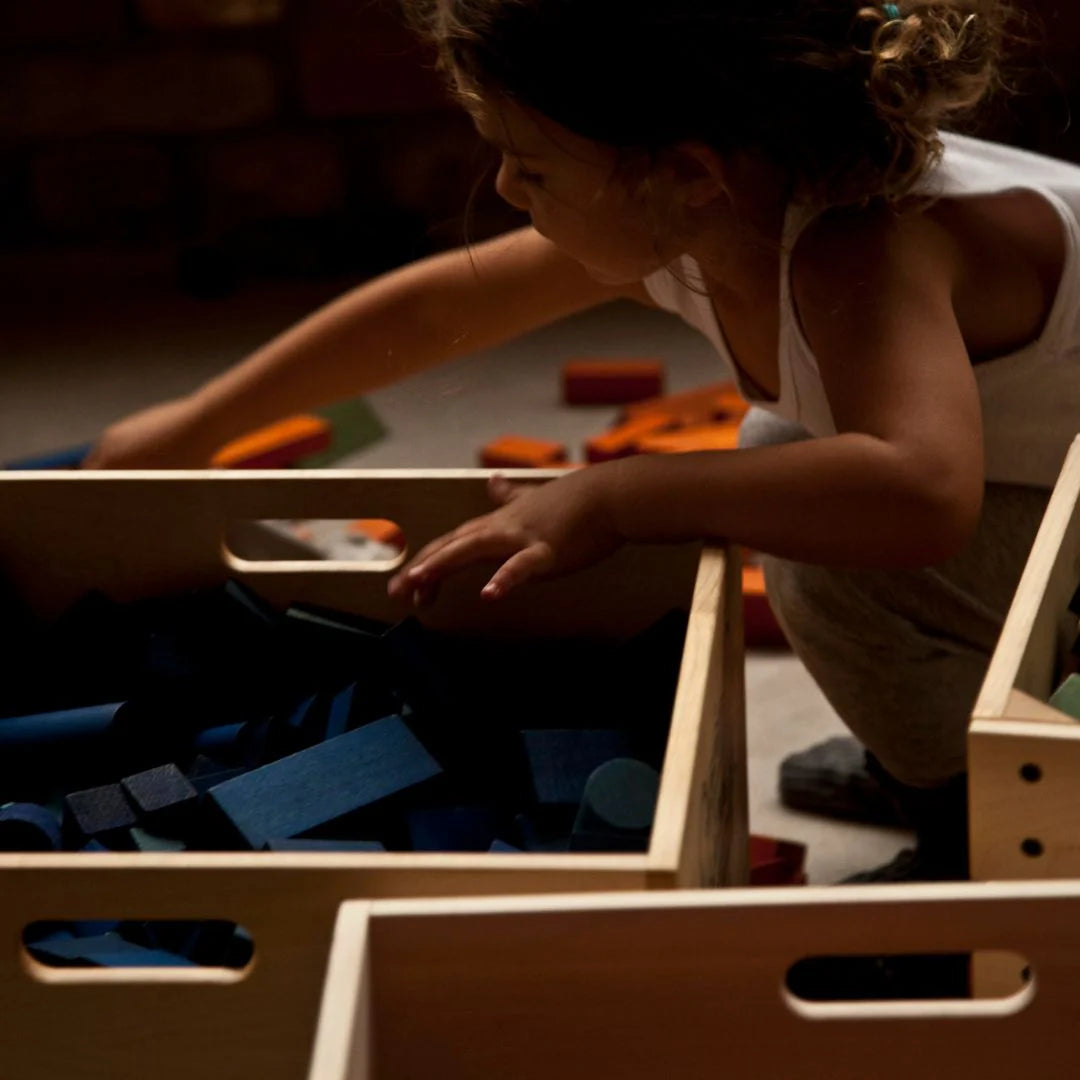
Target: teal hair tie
{"type": "Point", "coordinates": [892, 11]}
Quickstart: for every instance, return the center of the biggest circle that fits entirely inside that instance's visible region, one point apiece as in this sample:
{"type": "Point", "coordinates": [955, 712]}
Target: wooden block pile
{"type": "Point", "coordinates": [209, 721]}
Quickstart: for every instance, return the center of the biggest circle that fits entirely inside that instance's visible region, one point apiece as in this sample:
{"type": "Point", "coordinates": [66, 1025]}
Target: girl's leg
{"type": "Point", "coordinates": [901, 655]}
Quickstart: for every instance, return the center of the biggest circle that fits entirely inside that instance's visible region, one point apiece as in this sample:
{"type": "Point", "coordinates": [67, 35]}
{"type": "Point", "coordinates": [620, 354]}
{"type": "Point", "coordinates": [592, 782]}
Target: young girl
{"type": "Point", "coordinates": [902, 306]}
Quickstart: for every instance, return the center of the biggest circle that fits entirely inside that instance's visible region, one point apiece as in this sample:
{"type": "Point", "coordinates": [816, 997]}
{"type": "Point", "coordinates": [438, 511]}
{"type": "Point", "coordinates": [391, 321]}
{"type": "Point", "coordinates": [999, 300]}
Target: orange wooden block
{"type": "Point", "coordinates": [516, 452]}
{"type": "Point", "coordinates": [622, 441]}
{"type": "Point", "coordinates": [611, 382]}
{"type": "Point", "coordinates": [379, 530]}
{"type": "Point", "coordinates": [275, 446]}
{"type": "Point", "coordinates": [717, 401]}
{"type": "Point", "coordinates": [721, 436]}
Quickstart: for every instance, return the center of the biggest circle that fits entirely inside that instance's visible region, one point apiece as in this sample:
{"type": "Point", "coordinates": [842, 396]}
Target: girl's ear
{"type": "Point", "coordinates": [698, 172]}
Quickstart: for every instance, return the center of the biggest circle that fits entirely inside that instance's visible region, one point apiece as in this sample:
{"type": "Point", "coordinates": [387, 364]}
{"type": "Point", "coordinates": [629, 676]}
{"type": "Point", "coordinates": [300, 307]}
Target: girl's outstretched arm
{"type": "Point", "coordinates": [380, 332]}
{"type": "Point", "coordinates": [899, 485]}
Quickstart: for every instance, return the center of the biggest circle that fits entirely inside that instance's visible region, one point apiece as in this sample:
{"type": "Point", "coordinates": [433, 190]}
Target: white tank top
{"type": "Point", "coordinates": [1030, 398]}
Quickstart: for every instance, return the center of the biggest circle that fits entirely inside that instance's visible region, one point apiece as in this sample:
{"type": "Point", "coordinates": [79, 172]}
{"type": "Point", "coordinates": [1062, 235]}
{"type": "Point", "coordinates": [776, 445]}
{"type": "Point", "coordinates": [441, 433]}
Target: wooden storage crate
{"type": "Point", "coordinates": [1024, 756]}
{"type": "Point", "coordinates": [691, 985]}
{"type": "Point", "coordinates": [137, 534]}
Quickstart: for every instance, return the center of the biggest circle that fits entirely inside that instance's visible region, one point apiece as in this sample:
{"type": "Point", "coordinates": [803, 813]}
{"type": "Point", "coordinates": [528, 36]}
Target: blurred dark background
{"type": "Point", "coordinates": [290, 139]}
{"type": "Point", "coordinates": [232, 138]}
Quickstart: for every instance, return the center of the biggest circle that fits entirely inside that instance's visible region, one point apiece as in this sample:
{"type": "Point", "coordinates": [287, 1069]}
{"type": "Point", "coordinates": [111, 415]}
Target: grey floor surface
{"type": "Point", "coordinates": [81, 351]}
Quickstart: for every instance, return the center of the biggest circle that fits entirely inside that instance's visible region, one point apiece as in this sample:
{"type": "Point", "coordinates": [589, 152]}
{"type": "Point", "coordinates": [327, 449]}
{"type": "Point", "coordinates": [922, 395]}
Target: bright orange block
{"type": "Point", "coordinates": [718, 401]}
{"type": "Point", "coordinates": [622, 441]}
{"type": "Point", "coordinates": [276, 446]}
{"type": "Point", "coordinates": [723, 436]}
{"type": "Point", "coordinates": [611, 382]}
{"type": "Point", "coordinates": [517, 452]}
{"type": "Point", "coordinates": [379, 530]}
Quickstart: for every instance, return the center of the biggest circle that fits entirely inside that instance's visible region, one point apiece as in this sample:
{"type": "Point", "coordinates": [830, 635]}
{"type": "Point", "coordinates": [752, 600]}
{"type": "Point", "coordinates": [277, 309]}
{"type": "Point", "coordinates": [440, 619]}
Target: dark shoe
{"type": "Point", "coordinates": [910, 864]}
{"type": "Point", "coordinates": [838, 778]}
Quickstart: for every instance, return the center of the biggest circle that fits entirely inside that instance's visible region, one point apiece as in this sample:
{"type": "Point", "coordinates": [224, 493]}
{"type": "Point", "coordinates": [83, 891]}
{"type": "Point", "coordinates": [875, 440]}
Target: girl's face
{"type": "Point", "coordinates": [568, 186]}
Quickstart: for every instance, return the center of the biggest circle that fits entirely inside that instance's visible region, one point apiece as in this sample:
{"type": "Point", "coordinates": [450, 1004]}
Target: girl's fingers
{"type": "Point", "coordinates": [532, 562]}
{"type": "Point", "coordinates": [463, 552]}
{"type": "Point", "coordinates": [412, 574]}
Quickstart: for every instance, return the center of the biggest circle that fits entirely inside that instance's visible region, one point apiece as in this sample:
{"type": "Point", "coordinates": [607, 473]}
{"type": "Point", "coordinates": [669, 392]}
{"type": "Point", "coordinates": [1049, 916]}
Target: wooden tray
{"type": "Point", "coordinates": [137, 534]}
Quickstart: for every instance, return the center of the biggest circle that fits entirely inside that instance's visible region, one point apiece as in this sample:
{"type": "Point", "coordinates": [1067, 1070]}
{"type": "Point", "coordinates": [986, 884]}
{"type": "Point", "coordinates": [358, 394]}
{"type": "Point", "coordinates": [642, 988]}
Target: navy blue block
{"type": "Point", "coordinates": [141, 840]}
{"type": "Point", "coordinates": [321, 785]}
{"type": "Point", "coordinates": [278, 844]}
{"type": "Point", "coordinates": [201, 941]}
{"type": "Point", "coordinates": [220, 742]}
{"type": "Point", "coordinates": [56, 729]}
{"type": "Point", "coordinates": [29, 827]}
{"type": "Point", "coordinates": [206, 773]}
{"type": "Point", "coordinates": [69, 458]}
{"type": "Point", "coordinates": [453, 828]}
{"type": "Point", "coordinates": [617, 809]}
{"type": "Point", "coordinates": [561, 761]}
{"type": "Point", "coordinates": [339, 719]}
{"type": "Point", "coordinates": [105, 950]}
{"type": "Point", "coordinates": [503, 847]}
{"type": "Point", "coordinates": [163, 797]}
{"type": "Point", "coordinates": [101, 813]}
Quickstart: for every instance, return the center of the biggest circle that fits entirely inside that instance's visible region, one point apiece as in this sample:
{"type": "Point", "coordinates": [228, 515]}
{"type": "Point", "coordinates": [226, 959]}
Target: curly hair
{"type": "Point", "coordinates": [846, 99]}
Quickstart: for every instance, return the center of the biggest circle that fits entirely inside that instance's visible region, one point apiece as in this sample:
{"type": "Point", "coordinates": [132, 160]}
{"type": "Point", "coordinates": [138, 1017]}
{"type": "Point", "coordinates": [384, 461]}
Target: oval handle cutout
{"type": "Point", "coordinates": [173, 944]}
{"type": "Point", "coordinates": [904, 984]}
{"type": "Point", "coordinates": [369, 543]}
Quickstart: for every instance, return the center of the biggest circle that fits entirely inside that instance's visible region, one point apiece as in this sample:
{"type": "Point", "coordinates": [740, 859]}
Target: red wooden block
{"type": "Point", "coordinates": [517, 452]}
{"type": "Point", "coordinates": [611, 382]}
{"type": "Point", "coordinates": [777, 862]}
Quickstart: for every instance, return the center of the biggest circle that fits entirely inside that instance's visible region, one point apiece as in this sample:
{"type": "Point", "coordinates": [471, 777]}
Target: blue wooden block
{"type": "Point", "coordinates": [323, 784]}
{"type": "Point", "coordinates": [561, 761]}
{"type": "Point", "coordinates": [101, 813]}
{"type": "Point", "coordinates": [617, 808]}
{"type": "Point", "coordinates": [206, 773]}
{"type": "Point", "coordinates": [340, 716]}
{"type": "Point", "coordinates": [163, 797]}
{"type": "Point", "coordinates": [502, 846]}
{"type": "Point", "coordinates": [105, 950]}
{"type": "Point", "coordinates": [543, 837]}
{"type": "Point", "coordinates": [278, 844]}
{"type": "Point", "coordinates": [453, 828]}
{"type": "Point", "coordinates": [29, 827]}
{"type": "Point", "coordinates": [69, 458]}
{"type": "Point", "coordinates": [219, 742]}
{"type": "Point", "coordinates": [141, 840]}
{"type": "Point", "coordinates": [202, 941]}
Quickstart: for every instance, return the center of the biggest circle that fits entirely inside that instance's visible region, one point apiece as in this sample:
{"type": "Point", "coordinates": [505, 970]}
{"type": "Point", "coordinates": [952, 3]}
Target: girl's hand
{"type": "Point", "coordinates": [165, 436]}
{"type": "Point", "coordinates": [538, 531]}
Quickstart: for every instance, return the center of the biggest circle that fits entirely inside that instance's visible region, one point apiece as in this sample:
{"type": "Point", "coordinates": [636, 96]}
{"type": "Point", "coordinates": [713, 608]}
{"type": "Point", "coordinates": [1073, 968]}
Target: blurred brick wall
{"type": "Point", "coordinates": [244, 137]}
{"type": "Point", "coordinates": [292, 137]}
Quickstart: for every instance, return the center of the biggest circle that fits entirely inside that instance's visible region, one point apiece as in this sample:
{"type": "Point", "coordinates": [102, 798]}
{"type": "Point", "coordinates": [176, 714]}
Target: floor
{"type": "Point", "coordinates": [82, 349]}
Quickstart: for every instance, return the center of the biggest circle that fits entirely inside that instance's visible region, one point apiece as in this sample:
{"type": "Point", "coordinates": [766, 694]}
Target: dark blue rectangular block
{"type": "Point", "coordinates": [324, 845]}
{"type": "Point", "coordinates": [69, 458]}
{"type": "Point", "coordinates": [101, 813]}
{"type": "Point", "coordinates": [324, 783]}
{"type": "Point", "coordinates": [453, 828]}
{"type": "Point", "coordinates": [106, 950]}
{"type": "Point", "coordinates": [163, 797]}
{"type": "Point", "coordinates": [502, 846]}
{"type": "Point", "coordinates": [561, 761]}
